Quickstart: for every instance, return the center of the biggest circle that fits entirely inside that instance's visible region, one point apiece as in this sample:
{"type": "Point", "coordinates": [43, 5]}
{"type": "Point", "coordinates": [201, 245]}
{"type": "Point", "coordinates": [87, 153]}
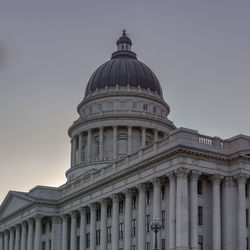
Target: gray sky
{"type": "Point", "coordinates": [199, 51]}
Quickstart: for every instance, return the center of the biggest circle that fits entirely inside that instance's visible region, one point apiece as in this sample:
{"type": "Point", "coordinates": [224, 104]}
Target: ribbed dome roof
{"type": "Point", "coordinates": [123, 69]}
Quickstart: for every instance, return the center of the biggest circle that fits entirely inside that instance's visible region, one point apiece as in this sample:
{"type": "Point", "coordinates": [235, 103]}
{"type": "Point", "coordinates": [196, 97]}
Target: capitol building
{"type": "Point", "coordinates": [129, 165]}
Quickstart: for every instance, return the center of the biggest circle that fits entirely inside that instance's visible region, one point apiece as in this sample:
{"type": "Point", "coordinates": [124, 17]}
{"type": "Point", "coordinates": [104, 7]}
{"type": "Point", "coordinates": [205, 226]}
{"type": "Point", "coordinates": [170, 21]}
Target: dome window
{"type": "Point", "coordinates": [122, 104]}
{"type": "Point", "coordinates": [134, 105]}
{"type": "Point", "coordinates": [154, 109]}
{"type": "Point", "coordinates": [110, 105]}
{"type": "Point", "coordinates": [99, 106]}
{"type": "Point", "coordinates": [90, 109]}
{"type": "Point", "coordinates": [145, 107]}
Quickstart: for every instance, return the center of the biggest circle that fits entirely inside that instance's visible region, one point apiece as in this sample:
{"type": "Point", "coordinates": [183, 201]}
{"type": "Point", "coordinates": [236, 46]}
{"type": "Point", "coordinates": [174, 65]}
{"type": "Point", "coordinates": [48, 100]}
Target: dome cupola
{"type": "Point", "coordinates": [124, 42]}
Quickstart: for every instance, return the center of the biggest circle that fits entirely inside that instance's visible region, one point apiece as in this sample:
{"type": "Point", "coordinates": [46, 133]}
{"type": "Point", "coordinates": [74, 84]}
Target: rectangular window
{"type": "Point", "coordinates": [43, 245]}
{"type": "Point", "coordinates": [78, 221]}
{"type": "Point", "coordinates": [145, 107]}
{"type": "Point", "coordinates": [87, 240]}
{"type": "Point", "coordinates": [43, 228]}
{"type": "Point", "coordinates": [199, 186]}
{"type": "Point", "coordinates": [99, 106]}
{"type": "Point", "coordinates": [148, 223]}
{"type": "Point", "coordinates": [50, 226]}
{"type": "Point", "coordinates": [154, 109]}
{"type": "Point", "coordinates": [90, 109]}
{"type": "Point", "coordinates": [200, 210]}
{"type": "Point", "coordinates": [246, 191]}
{"type": "Point", "coordinates": [88, 218]}
{"type": "Point", "coordinates": [98, 214]}
{"type": "Point", "coordinates": [247, 243]}
{"type": "Point", "coordinates": [133, 247]}
{"type": "Point", "coordinates": [120, 231]}
{"type": "Point", "coordinates": [163, 244]}
{"type": "Point", "coordinates": [98, 237]}
{"type": "Point", "coordinates": [109, 210]}
{"type": "Point", "coordinates": [134, 227]}
{"type": "Point", "coordinates": [121, 206]}
{"type": "Point", "coordinates": [110, 105]}
{"type": "Point", "coordinates": [163, 192]}
{"type": "Point", "coordinates": [134, 105]}
{"type": "Point", "coordinates": [148, 246]}
{"type": "Point", "coordinates": [122, 105]}
{"type": "Point", "coordinates": [78, 243]}
{"type": "Point", "coordinates": [163, 219]}
{"type": "Point", "coordinates": [148, 197]}
{"type": "Point", "coordinates": [50, 245]}
{"type": "Point", "coordinates": [200, 242]}
{"type": "Point", "coordinates": [134, 201]}
{"type": "Point", "coordinates": [109, 233]}
{"type": "Point", "coordinates": [247, 211]}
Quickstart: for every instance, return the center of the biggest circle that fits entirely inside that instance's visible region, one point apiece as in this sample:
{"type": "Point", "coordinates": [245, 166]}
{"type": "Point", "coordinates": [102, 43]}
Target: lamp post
{"type": "Point", "coordinates": [155, 227]}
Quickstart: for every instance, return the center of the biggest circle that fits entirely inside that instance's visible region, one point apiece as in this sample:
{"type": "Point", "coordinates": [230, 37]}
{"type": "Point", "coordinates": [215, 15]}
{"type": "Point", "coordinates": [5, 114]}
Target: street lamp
{"type": "Point", "coordinates": [155, 227]}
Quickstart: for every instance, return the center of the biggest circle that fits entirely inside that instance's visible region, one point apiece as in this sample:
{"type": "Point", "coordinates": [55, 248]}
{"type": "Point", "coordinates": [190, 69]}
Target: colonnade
{"type": "Point", "coordinates": [27, 234]}
{"type": "Point", "coordinates": [77, 143]}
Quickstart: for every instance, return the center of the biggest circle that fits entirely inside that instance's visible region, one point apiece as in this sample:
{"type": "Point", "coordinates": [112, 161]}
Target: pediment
{"type": "Point", "coordinates": [13, 203]}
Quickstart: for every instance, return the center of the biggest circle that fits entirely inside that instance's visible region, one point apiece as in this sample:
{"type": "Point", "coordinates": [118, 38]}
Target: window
{"type": "Point", "coordinates": [148, 223]}
{"type": "Point", "coordinates": [43, 228]}
{"type": "Point", "coordinates": [134, 201]}
{"type": "Point", "coordinates": [200, 215]}
{"type": "Point", "coordinates": [90, 109]}
{"type": "Point", "coordinates": [120, 231]}
{"type": "Point", "coordinates": [163, 219]}
{"type": "Point", "coordinates": [145, 107]}
{"type": "Point", "coordinates": [43, 245]}
{"type": "Point", "coordinates": [88, 218]}
{"type": "Point", "coordinates": [87, 240]}
{"type": "Point", "coordinates": [122, 104]}
{"type": "Point", "coordinates": [163, 244]}
{"type": "Point", "coordinates": [148, 246]}
{"type": "Point", "coordinates": [134, 227]}
{"type": "Point", "coordinates": [246, 190]}
{"type": "Point", "coordinates": [199, 186]}
{"type": "Point", "coordinates": [50, 226]}
{"type": "Point", "coordinates": [133, 247]}
{"type": "Point", "coordinates": [163, 192]}
{"type": "Point", "coordinates": [148, 197]}
{"type": "Point", "coordinates": [247, 217]}
{"type": "Point", "coordinates": [200, 242]}
{"type": "Point", "coordinates": [110, 105]}
{"type": "Point", "coordinates": [98, 214]}
{"type": "Point", "coordinates": [98, 237]}
{"type": "Point", "coordinates": [49, 244]}
{"type": "Point", "coordinates": [154, 109]}
{"type": "Point", "coordinates": [78, 221]}
{"type": "Point", "coordinates": [247, 243]}
{"type": "Point", "coordinates": [78, 243]}
{"type": "Point", "coordinates": [134, 105]}
{"type": "Point", "coordinates": [109, 210]}
{"type": "Point", "coordinates": [109, 233]}
{"type": "Point", "coordinates": [121, 206]}
{"type": "Point", "coordinates": [99, 106]}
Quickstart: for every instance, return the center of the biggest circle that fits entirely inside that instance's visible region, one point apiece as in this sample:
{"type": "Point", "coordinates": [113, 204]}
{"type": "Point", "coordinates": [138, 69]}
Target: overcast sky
{"type": "Point", "coordinates": [199, 50]}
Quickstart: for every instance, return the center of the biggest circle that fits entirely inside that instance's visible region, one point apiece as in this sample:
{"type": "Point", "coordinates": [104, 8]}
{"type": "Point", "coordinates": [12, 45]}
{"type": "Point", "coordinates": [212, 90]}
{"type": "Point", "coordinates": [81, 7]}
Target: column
{"type": "Point", "coordinates": [24, 236]}
{"type": "Point", "coordinates": [92, 226]}
{"type": "Point", "coordinates": [129, 139]}
{"type": "Point", "coordinates": [89, 142]}
{"type": "Point", "coordinates": [216, 213]}
{"type": "Point", "coordinates": [101, 143]}
{"type": "Point", "coordinates": [128, 219]}
{"type": "Point", "coordinates": [157, 205]}
{"type": "Point", "coordinates": [56, 233]}
{"type": "Point", "coordinates": [38, 228]}
{"type": "Point", "coordinates": [1, 241]}
{"type": "Point", "coordinates": [143, 137]}
{"type": "Point", "coordinates": [83, 228]}
{"type": "Point", "coordinates": [194, 176]}
{"type": "Point", "coordinates": [30, 233]}
{"type": "Point", "coordinates": [241, 179]}
{"type": "Point", "coordinates": [17, 237]}
{"type": "Point", "coordinates": [65, 220]}
{"type": "Point", "coordinates": [182, 226]}
{"type": "Point", "coordinates": [155, 135]}
{"type": "Point", "coordinates": [141, 217]}
{"type": "Point", "coordinates": [115, 142]}
{"type": "Point", "coordinates": [73, 151]}
{"type": "Point", "coordinates": [6, 240]}
{"type": "Point", "coordinates": [12, 234]}
{"type": "Point", "coordinates": [115, 222]}
{"type": "Point", "coordinates": [73, 237]}
{"type": "Point", "coordinates": [103, 224]}
{"type": "Point", "coordinates": [80, 151]}
{"type": "Point", "coordinates": [172, 211]}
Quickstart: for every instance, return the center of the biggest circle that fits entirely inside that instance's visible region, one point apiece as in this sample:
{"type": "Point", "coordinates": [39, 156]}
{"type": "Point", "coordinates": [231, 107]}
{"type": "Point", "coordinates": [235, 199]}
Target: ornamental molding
{"type": "Point", "coordinates": [241, 178]}
{"type": "Point", "coordinates": [141, 187]}
{"type": "Point", "coordinates": [216, 179]}
{"type": "Point", "coordinates": [228, 181]}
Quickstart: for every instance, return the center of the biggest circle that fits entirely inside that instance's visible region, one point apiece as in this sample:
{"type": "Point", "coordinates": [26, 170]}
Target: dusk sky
{"type": "Point", "coordinates": [199, 50]}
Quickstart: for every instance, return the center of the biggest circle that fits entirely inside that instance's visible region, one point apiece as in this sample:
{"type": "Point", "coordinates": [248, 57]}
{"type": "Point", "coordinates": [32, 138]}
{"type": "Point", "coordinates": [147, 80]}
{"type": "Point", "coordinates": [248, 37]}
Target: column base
{"type": "Point", "coordinates": [183, 248]}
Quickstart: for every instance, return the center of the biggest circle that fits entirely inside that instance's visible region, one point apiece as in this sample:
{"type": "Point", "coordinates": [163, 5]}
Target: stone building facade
{"type": "Point", "coordinates": [130, 164]}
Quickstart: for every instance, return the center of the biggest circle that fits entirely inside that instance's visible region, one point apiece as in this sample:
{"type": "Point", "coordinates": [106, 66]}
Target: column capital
{"type": "Point", "coordinates": [241, 178]}
{"type": "Point", "coordinates": [182, 173]}
{"type": "Point", "coordinates": [216, 179]}
{"type": "Point", "coordinates": [83, 210]}
{"type": "Point", "coordinates": [128, 192]}
{"type": "Point", "coordinates": [171, 176]}
{"type": "Point", "coordinates": [92, 205]}
{"type": "Point", "coordinates": [38, 217]}
{"type": "Point", "coordinates": [73, 214]}
{"type": "Point", "coordinates": [101, 127]}
{"type": "Point", "coordinates": [30, 220]}
{"type": "Point", "coordinates": [24, 223]}
{"type": "Point", "coordinates": [1, 234]}
{"type": "Point", "coordinates": [17, 227]}
{"type": "Point", "coordinates": [141, 187]}
{"type": "Point", "coordinates": [129, 127]}
{"type": "Point", "coordinates": [115, 126]}
{"type": "Point", "coordinates": [65, 217]}
{"type": "Point", "coordinates": [115, 198]}
{"type": "Point", "coordinates": [103, 202]}
{"type": "Point", "coordinates": [228, 181]}
{"type": "Point", "coordinates": [194, 175]}
{"type": "Point", "coordinates": [12, 229]}
{"type": "Point", "coordinates": [56, 220]}
{"type": "Point", "coordinates": [156, 181]}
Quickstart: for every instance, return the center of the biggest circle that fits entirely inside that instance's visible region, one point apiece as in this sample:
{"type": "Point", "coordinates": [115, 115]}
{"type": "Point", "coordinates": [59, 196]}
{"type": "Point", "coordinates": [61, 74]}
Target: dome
{"type": "Point", "coordinates": [123, 69]}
